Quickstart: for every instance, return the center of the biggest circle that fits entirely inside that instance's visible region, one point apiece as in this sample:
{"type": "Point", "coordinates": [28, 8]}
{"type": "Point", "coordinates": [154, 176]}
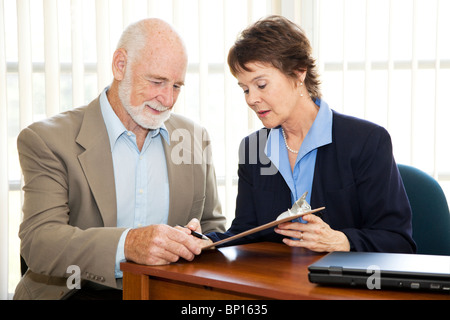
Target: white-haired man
{"type": "Point", "coordinates": [103, 182]}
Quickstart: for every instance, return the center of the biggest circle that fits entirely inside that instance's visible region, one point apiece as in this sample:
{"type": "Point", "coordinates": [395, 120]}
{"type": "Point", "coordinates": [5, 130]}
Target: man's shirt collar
{"type": "Point", "coordinates": [116, 128]}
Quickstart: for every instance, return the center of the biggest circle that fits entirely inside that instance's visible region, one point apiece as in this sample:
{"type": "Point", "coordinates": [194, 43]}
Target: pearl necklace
{"type": "Point", "coordinates": [285, 142]}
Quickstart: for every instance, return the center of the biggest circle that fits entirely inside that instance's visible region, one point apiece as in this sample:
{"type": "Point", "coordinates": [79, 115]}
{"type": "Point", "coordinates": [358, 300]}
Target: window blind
{"type": "Point", "coordinates": [387, 61]}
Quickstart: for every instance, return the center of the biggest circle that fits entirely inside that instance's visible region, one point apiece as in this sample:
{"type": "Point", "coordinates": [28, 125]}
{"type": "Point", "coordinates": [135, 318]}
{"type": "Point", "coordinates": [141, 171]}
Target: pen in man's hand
{"type": "Point", "coordinates": [195, 234]}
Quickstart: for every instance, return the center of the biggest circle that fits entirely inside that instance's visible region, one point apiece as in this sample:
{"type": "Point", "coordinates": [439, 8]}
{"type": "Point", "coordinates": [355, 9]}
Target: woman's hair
{"type": "Point", "coordinates": [277, 41]}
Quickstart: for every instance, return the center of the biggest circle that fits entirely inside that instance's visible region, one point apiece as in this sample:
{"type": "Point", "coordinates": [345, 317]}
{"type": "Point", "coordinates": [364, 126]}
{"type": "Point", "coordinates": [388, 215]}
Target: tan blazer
{"type": "Point", "coordinates": [70, 201]}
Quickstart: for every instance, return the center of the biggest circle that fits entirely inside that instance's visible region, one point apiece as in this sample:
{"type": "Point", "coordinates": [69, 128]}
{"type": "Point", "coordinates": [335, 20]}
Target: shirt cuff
{"type": "Point", "coordinates": [120, 254]}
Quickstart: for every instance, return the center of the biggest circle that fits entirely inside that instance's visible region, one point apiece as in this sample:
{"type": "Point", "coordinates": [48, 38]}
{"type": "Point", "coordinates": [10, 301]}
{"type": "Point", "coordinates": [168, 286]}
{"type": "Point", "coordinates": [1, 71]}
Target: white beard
{"type": "Point", "coordinates": [139, 114]}
{"type": "Point", "coordinates": [144, 118]}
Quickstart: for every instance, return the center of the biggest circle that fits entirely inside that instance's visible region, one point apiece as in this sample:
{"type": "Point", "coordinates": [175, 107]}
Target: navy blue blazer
{"type": "Point", "coordinates": [355, 178]}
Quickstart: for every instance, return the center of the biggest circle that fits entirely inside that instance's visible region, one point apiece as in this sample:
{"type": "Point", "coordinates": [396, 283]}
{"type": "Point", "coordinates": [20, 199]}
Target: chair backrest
{"type": "Point", "coordinates": [431, 216]}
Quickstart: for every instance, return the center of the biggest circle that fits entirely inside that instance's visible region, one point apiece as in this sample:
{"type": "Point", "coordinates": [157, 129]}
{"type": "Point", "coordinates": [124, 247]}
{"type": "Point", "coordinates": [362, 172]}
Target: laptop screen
{"type": "Point", "coordinates": [393, 269]}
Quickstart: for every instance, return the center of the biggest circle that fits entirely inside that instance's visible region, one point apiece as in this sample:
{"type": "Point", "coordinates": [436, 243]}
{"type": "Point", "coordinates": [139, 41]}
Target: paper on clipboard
{"type": "Point", "coordinates": [262, 227]}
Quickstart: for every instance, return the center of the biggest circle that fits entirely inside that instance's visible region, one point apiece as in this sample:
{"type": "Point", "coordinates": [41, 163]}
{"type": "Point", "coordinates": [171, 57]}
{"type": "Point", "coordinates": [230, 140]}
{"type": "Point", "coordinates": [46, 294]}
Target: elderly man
{"type": "Point", "coordinates": [106, 182]}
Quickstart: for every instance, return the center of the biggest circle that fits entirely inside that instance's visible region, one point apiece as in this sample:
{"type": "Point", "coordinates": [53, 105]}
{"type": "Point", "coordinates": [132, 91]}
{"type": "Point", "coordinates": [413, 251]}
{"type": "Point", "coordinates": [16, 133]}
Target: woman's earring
{"type": "Point", "coordinates": [301, 93]}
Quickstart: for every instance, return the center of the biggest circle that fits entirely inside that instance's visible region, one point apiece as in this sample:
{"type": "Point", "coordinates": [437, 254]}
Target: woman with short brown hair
{"type": "Point", "coordinates": [345, 164]}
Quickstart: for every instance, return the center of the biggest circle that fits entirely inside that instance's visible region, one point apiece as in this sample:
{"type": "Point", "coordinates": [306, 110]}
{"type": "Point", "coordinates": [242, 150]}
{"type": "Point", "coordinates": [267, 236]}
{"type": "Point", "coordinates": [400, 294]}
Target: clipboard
{"type": "Point", "coordinates": [262, 227]}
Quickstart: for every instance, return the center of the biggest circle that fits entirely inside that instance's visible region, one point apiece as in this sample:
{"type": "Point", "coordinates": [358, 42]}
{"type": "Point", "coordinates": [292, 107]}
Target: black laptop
{"type": "Point", "coordinates": [375, 270]}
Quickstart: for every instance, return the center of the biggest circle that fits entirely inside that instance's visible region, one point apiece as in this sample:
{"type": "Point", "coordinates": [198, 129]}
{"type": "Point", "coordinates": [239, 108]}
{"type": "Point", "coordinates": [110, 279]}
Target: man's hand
{"type": "Point", "coordinates": [194, 225]}
{"type": "Point", "coordinates": [160, 244]}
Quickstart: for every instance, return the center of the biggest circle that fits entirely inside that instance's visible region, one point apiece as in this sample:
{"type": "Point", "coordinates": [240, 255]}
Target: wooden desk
{"type": "Point", "coordinates": [252, 271]}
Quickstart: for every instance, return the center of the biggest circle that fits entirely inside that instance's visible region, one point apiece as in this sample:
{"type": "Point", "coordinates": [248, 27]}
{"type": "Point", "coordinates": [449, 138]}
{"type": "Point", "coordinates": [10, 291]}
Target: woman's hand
{"type": "Point", "coordinates": [315, 235]}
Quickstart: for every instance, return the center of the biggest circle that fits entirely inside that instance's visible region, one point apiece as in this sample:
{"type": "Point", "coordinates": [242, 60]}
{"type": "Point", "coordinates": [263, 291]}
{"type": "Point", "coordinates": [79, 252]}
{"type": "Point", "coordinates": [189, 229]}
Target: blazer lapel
{"type": "Point", "coordinates": [181, 183]}
{"type": "Point", "coordinates": [96, 162]}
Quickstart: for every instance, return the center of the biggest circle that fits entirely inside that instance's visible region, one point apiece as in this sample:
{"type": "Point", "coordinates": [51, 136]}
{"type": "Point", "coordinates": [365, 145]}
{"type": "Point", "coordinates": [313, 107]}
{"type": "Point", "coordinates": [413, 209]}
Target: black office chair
{"type": "Point", "coordinates": [430, 212]}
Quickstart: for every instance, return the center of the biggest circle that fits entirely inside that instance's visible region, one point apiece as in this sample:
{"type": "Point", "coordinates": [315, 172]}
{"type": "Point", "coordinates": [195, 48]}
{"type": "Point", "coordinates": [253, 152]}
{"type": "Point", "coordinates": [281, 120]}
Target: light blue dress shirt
{"type": "Point", "coordinates": [141, 180]}
{"type": "Point", "coordinates": [301, 178]}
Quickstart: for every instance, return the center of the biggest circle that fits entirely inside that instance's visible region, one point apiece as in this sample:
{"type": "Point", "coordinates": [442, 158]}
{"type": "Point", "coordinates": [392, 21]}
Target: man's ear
{"type": "Point", "coordinates": [119, 64]}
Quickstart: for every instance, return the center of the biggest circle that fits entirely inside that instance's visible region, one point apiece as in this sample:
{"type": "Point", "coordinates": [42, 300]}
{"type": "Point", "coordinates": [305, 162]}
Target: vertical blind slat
{"type": "Point", "coordinates": [298, 12]}
{"type": "Point", "coordinates": [127, 12]}
{"type": "Point", "coordinates": [152, 8]}
{"type": "Point", "coordinates": [390, 66]}
{"type": "Point", "coordinates": [25, 63]}
{"type": "Point", "coordinates": [437, 68]}
{"type": "Point", "coordinates": [368, 62]}
{"type": "Point", "coordinates": [51, 52]}
{"type": "Point", "coordinates": [229, 165]}
{"type": "Point", "coordinates": [250, 114]}
{"type": "Point", "coordinates": [203, 58]}
{"type": "Point", "coordinates": [344, 53]}
{"type": "Point", "coordinates": [77, 53]}
{"type": "Point", "coordinates": [4, 188]}
{"type": "Point", "coordinates": [276, 6]}
{"type": "Point", "coordinates": [414, 65]}
{"type": "Point", "coordinates": [178, 22]}
{"type": "Point", "coordinates": [103, 48]}
{"type": "Point", "coordinates": [319, 51]}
